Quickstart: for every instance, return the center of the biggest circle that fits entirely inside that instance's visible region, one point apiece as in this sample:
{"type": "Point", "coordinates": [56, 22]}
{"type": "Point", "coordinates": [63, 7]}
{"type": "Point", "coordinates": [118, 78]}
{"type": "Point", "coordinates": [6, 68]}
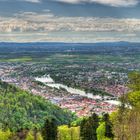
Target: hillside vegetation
{"type": "Point", "coordinates": [22, 110]}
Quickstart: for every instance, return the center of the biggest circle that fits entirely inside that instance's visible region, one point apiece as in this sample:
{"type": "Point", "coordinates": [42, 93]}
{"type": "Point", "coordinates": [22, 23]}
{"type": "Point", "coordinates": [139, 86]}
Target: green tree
{"type": "Point", "coordinates": [75, 133]}
{"type": "Point", "coordinates": [134, 79]}
{"type": "Point", "coordinates": [64, 133]}
{"type": "Point", "coordinates": [126, 120]}
{"type": "Point", "coordinates": [5, 135]}
{"type": "Point", "coordinates": [108, 126]}
{"type": "Point", "coordinates": [31, 136]}
{"type": "Point", "coordinates": [49, 131]}
{"type": "Point", "coordinates": [134, 98]}
{"type": "Point", "coordinates": [94, 121]}
{"type": "Point", "coordinates": [89, 127]}
{"type": "Point", "coordinates": [101, 132]}
{"type": "Point", "coordinates": [83, 129]}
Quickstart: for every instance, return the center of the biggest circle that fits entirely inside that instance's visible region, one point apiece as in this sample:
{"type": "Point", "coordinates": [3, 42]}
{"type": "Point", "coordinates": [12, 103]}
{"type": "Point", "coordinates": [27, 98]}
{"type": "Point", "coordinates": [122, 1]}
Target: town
{"type": "Point", "coordinates": [83, 84]}
{"type": "Point", "coordinates": [82, 106]}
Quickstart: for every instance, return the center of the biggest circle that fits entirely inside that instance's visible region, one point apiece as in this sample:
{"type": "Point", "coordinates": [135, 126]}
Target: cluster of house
{"type": "Point", "coordinates": [84, 106]}
{"type": "Point", "coordinates": [81, 106]}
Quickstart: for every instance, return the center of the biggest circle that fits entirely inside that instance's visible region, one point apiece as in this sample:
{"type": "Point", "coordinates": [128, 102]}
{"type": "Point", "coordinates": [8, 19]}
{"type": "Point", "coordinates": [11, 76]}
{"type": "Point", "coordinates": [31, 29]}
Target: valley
{"type": "Point", "coordinates": [78, 79]}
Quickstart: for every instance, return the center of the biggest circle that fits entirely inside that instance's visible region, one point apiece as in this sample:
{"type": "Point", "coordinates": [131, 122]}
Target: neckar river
{"type": "Point", "coordinates": [51, 83]}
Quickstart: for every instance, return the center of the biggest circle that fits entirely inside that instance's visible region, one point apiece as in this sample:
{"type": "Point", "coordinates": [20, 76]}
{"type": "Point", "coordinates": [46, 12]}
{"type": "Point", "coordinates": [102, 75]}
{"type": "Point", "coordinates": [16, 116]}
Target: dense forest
{"type": "Point", "coordinates": [21, 110]}
{"type": "Point", "coordinates": [24, 116]}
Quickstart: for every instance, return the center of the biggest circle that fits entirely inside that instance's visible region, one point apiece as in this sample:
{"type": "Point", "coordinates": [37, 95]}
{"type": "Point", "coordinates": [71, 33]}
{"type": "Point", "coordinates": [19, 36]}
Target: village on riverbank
{"type": "Point", "coordinates": [75, 100]}
{"type": "Point", "coordinates": [70, 76]}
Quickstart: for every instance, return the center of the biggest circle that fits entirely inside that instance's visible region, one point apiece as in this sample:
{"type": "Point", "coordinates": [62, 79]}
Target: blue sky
{"type": "Point", "coordinates": [70, 20]}
{"type": "Point", "coordinates": [98, 8]}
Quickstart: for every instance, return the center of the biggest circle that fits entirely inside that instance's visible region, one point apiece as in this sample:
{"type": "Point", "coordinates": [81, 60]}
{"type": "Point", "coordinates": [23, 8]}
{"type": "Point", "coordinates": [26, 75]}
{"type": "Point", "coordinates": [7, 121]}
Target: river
{"type": "Point", "coordinates": [51, 83]}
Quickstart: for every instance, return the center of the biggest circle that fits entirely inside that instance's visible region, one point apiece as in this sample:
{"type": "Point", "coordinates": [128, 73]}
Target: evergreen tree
{"type": "Point", "coordinates": [88, 128]}
{"type": "Point", "coordinates": [49, 132]}
{"type": "Point", "coordinates": [108, 126]}
{"type": "Point", "coordinates": [94, 121]}
{"type": "Point", "coordinates": [83, 129]}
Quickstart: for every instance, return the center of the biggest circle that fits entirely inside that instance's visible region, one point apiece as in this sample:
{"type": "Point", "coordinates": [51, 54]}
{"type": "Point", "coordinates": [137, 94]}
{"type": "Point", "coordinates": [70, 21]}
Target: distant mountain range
{"type": "Point", "coordinates": [48, 47]}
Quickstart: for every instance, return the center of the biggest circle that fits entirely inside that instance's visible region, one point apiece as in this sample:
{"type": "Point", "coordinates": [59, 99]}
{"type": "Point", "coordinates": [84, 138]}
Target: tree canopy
{"type": "Point", "coordinates": [22, 110]}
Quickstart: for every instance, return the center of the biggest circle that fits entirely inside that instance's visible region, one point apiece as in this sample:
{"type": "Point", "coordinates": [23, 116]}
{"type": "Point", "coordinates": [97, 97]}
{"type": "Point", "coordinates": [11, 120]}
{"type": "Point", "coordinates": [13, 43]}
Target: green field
{"type": "Point", "coordinates": [18, 59]}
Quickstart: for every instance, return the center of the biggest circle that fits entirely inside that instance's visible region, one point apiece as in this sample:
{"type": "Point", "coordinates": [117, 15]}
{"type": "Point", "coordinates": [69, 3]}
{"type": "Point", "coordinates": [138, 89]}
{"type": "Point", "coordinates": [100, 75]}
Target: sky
{"type": "Point", "coordinates": [69, 20]}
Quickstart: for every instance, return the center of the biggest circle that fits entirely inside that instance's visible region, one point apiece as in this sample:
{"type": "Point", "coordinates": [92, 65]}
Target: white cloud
{"type": "Point", "coordinates": [47, 22]}
{"type": "Point", "coordinates": [31, 26]}
{"type": "Point", "coordinates": [33, 1]}
{"type": "Point", "coordinates": [70, 1]}
{"type": "Point", "coordinates": [115, 3]}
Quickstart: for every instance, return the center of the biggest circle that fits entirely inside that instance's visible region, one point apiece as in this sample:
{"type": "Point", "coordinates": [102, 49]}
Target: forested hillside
{"type": "Point", "coordinates": [22, 110]}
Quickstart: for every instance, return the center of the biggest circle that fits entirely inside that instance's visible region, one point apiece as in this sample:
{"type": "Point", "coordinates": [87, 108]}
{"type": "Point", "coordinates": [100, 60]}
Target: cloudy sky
{"type": "Point", "coordinates": [69, 20]}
